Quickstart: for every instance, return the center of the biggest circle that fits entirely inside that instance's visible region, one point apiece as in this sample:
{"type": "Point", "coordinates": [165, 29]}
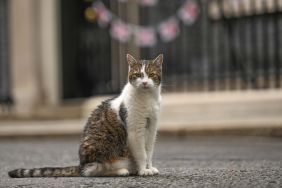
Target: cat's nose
{"type": "Point", "coordinates": [145, 83]}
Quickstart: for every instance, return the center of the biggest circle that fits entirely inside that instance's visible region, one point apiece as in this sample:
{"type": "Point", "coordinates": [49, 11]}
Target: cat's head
{"type": "Point", "coordinates": [145, 74]}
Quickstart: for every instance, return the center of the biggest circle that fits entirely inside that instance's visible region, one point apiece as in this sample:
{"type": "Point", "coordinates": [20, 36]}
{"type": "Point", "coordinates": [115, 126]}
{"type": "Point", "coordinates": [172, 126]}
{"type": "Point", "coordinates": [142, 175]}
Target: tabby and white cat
{"type": "Point", "coordinates": [119, 136]}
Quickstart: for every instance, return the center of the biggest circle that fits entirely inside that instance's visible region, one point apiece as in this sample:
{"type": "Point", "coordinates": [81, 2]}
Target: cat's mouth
{"type": "Point", "coordinates": [145, 87]}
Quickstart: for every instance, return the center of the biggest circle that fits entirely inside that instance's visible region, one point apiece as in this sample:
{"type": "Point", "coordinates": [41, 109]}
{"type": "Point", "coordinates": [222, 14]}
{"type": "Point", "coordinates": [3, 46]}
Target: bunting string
{"type": "Point", "coordinates": [141, 2]}
{"type": "Point", "coordinates": [143, 36]}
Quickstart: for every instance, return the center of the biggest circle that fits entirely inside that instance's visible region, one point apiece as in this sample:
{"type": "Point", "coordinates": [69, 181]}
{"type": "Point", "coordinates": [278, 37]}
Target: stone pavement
{"type": "Point", "coordinates": [212, 161]}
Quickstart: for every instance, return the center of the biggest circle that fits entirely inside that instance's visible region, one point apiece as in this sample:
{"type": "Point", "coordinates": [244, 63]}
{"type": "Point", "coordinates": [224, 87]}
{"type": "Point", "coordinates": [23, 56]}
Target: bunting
{"type": "Point", "coordinates": [145, 36]}
{"type": "Point", "coordinates": [104, 15]}
{"type": "Point", "coordinates": [120, 31]}
{"type": "Point", "coordinates": [169, 29]}
{"type": "Point", "coordinates": [189, 12]}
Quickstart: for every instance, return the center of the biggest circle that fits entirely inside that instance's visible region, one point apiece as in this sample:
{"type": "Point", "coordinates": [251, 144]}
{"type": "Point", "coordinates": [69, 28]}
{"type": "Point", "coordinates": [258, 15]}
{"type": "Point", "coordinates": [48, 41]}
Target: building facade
{"type": "Point", "coordinates": [50, 52]}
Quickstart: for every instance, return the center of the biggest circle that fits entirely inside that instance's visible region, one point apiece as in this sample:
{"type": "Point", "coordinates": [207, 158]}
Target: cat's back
{"type": "Point", "coordinates": [108, 115]}
{"type": "Point", "coordinates": [104, 135]}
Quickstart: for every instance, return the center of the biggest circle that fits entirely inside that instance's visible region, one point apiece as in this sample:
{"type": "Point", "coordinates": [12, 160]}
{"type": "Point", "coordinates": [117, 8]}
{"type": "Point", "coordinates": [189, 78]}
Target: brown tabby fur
{"type": "Point", "coordinates": [104, 140]}
{"type": "Point", "coordinates": [110, 140]}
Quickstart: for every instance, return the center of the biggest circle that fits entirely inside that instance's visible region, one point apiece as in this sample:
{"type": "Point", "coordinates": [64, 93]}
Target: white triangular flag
{"type": "Point", "coordinates": [120, 31]}
{"type": "Point", "coordinates": [169, 29]}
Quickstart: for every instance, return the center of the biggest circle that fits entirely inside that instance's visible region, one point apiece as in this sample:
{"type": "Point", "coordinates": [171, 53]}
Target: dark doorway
{"type": "Point", "coordinates": [237, 52]}
{"type": "Point", "coordinates": [5, 83]}
{"type": "Point", "coordinates": [86, 53]}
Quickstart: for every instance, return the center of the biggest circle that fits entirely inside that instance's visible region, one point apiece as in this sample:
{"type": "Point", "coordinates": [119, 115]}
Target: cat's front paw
{"type": "Point", "coordinates": [154, 170]}
{"type": "Point", "coordinates": [145, 172]}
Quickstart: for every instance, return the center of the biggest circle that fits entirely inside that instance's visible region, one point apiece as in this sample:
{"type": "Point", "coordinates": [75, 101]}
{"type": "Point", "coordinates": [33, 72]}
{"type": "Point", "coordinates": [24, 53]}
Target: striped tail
{"type": "Point", "coordinates": [71, 171]}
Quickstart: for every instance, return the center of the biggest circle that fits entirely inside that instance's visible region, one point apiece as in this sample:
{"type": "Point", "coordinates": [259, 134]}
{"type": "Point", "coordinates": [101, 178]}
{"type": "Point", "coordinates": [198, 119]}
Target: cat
{"type": "Point", "coordinates": [119, 136]}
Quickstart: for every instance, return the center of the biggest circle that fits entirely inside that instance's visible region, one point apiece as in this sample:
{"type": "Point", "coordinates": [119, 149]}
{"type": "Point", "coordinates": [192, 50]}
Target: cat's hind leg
{"type": "Point", "coordinates": [120, 167]}
{"type": "Point", "coordinates": [93, 169]}
{"type": "Point", "coordinates": [118, 172]}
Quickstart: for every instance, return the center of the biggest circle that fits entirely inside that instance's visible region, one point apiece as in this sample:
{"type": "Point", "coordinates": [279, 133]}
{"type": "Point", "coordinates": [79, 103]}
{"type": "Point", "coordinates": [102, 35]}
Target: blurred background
{"type": "Point", "coordinates": [222, 61]}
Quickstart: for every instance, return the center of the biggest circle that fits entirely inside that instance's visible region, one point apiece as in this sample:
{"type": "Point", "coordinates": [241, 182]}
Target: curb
{"type": "Point", "coordinates": [75, 127]}
{"type": "Point", "coordinates": [227, 113]}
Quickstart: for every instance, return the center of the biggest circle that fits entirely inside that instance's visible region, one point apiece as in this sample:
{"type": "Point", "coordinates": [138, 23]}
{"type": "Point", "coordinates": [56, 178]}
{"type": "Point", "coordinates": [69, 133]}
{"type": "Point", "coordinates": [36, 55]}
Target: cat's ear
{"type": "Point", "coordinates": [130, 59]}
{"type": "Point", "coordinates": [159, 60]}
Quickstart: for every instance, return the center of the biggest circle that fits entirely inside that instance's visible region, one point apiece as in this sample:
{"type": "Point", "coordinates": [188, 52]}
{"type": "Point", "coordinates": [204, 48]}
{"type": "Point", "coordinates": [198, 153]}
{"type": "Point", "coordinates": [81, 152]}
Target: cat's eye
{"type": "Point", "coordinates": [134, 76]}
{"type": "Point", "coordinates": [138, 75]}
{"type": "Point", "coordinates": [152, 75]}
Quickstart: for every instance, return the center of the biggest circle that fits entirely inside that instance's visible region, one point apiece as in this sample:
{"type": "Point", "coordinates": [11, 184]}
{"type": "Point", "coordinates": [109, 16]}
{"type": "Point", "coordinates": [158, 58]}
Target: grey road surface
{"type": "Point", "coordinates": [213, 161]}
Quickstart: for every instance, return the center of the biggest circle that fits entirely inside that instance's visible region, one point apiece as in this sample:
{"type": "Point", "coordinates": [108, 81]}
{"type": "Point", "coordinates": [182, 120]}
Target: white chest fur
{"type": "Point", "coordinates": [142, 113]}
{"type": "Point", "coordinates": [141, 104]}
